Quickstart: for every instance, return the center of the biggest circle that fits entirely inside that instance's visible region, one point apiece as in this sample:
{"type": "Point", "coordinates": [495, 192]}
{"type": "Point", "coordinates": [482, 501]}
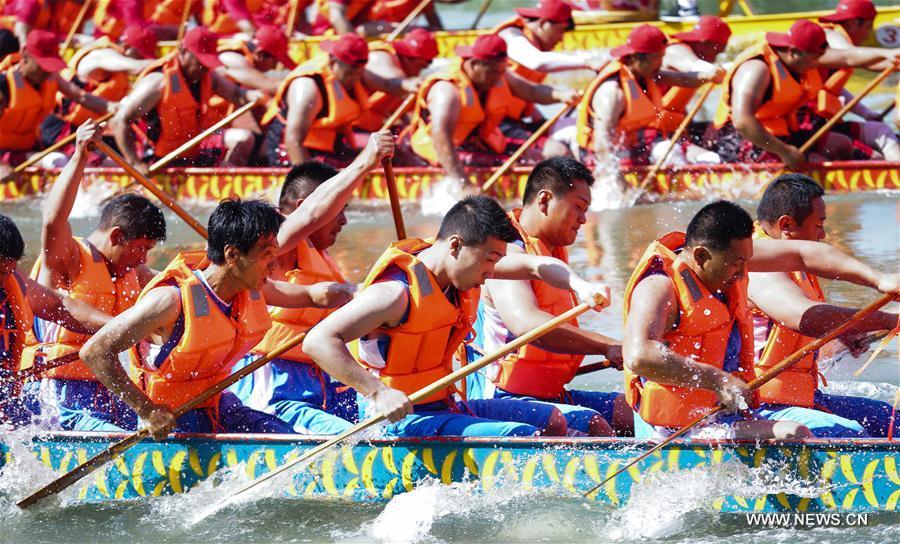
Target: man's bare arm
{"type": "Point", "coordinates": [72, 314]}
{"type": "Point", "coordinates": [145, 96]}
{"type": "Point", "coordinates": [326, 294]}
{"type": "Point", "coordinates": [607, 105]}
{"type": "Point", "coordinates": [444, 107]}
{"type": "Point", "coordinates": [337, 16]}
{"type": "Point", "coordinates": [556, 273]}
{"type": "Point", "coordinates": [110, 61]}
{"type": "Point", "coordinates": [95, 103]}
{"type": "Point", "coordinates": [304, 104]}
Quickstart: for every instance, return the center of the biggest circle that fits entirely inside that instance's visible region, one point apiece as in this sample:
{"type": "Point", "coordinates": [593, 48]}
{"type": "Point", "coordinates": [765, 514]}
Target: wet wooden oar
{"type": "Point", "coordinates": [79, 19]}
{"type": "Point", "coordinates": [481, 11]}
{"type": "Point", "coordinates": [593, 367]}
{"type": "Point", "coordinates": [185, 14]}
{"type": "Point", "coordinates": [673, 141]}
{"type": "Point", "coordinates": [394, 197]}
{"type": "Point", "coordinates": [788, 362]}
{"type": "Point", "coordinates": [121, 446]}
{"type": "Point", "coordinates": [196, 140]}
{"type": "Point", "coordinates": [292, 18]}
{"type": "Point", "coordinates": [48, 365]}
{"type": "Point", "coordinates": [401, 109]}
{"type": "Point", "coordinates": [524, 147]}
{"type": "Point", "coordinates": [150, 186]}
{"type": "Point", "coordinates": [408, 20]}
{"type": "Point", "coordinates": [55, 147]}
{"type": "Point", "coordinates": [425, 392]}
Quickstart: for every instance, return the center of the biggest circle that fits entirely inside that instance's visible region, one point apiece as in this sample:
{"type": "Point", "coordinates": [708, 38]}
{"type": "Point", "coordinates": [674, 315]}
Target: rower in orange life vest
{"type": "Point", "coordinates": [314, 109]}
{"type": "Point", "coordinates": [458, 112]}
{"type": "Point", "coordinates": [764, 90]}
{"type": "Point", "coordinates": [112, 17]}
{"type": "Point", "coordinates": [688, 340]}
{"type": "Point", "coordinates": [197, 318]}
{"type": "Point", "coordinates": [623, 113]}
{"type": "Point", "coordinates": [790, 310]}
{"type": "Point", "coordinates": [103, 68]}
{"type": "Point", "coordinates": [848, 27]}
{"type": "Point", "coordinates": [105, 269]}
{"type": "Point", "coordinates": [227, 17]}
{"type": "Point", "coordinates": [173, 97]}
{"type": "Point", "coordinates": [531, 36]}
{"type": "Point", "coordinates": [369, 17]}
{"type": "Point", "coordinates": [393, 72]}
{"type": "Point", "coordinates": [557, 197]}
{"type": "Point", "coordinates": [54, 16]}
{"type": "Point", "coordinates": [249, 62]}
{"type": "Point", "coordinates": [31, 84]}
{"type": "Point", "coordinates": [22, 299]}
{"type": "Point", "coordinates": [292, 387]}
{"type": "Point", "coordinates": [417, 308]}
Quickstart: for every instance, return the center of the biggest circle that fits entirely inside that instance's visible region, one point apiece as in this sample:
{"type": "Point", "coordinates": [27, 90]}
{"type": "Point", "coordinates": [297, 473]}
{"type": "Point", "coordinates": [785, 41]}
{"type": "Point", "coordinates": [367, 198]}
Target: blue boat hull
{"type": "Point", "coordinates": [840, 476]}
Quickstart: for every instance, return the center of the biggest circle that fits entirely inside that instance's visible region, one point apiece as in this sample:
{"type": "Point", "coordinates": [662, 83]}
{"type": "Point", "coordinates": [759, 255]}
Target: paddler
{"type": "Point", "coordinates": [173, 98]}
{"type": "Point", "coordinates": [688, 341]}
{"type": "Point", "coordinates": [249, 63]}
{"type": "Point", "coordinates": [846, 29]}
{"type": "Point", "coordinates": [369, 17]}
{"type": "Point", "coordinates": [54, 16]}
{"type": "Point", "coordinates": [31, 84]}
{"type": "Point", "coordinates": [227, 17]}
{"type": "Point", "coordinates": [21, 300]}
{"type": "Point", "coordinates": [458, 112]}
{"type": "Point", "coordinates": [197, 318]}
{"type": "Point", "coordinates": [790, 311]}
{"type": "Point", "coordinates": [107, 270]}
{"type": "Point", "coordinates": [623, 113]}
{"type": "Point", "coordinates": [557, 197]}
{"type": "Point", "coordinates": [764, 90]}
{"type": "Point", "coordinates": [416, 308]}
{"type": "Point", "coordinates": [314, 109]}
{"type": "Point", "coordinates": [112, 17]}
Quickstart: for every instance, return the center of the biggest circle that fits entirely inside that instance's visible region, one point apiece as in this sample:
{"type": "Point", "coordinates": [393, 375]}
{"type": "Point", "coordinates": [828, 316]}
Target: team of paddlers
{"type": "Point", "coordinates": [94, 340]}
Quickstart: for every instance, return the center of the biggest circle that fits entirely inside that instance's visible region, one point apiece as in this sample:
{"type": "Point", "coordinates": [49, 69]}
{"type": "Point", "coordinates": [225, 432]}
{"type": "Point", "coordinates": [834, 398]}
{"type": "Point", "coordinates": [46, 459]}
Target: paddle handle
{"type": "Point", "coordinates": [408, 20]}
{"type": "Point", "coordinates": [593, 367]}
{"type": "Point", "coordinates": [292, 19]}
{"type": "Point", "coordinates": [401, 109]}
{"type": "Point", "coordinates": [79, 19]}
{"type": "Point", "coordinates": [391, 182]}
{"type": "Point", "coordinates": [651, 175]}
{"type": "Point", "coordinates": [49, 365]}
{"type": "Point", "coordinates": [185, 13]}
{"type": "Point", "coordinates": [524, 147]}
{"type": "Point", "coordinates": [195, 141]}
{"type": "Point", "coordinates": [428, 390]}
{"type": "Point", "coordinates": [481, 11]}
{"type": "Point", "coordinates": [150, 186]}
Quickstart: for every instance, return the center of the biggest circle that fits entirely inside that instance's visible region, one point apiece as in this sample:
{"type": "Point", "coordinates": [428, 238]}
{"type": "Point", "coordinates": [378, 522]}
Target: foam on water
{"type": "Point", "coordinates": [90, 199]}
{"type": "Point", "coordinates": [441, 196]}
{"type": "Point", "coordinates": [24, 473]}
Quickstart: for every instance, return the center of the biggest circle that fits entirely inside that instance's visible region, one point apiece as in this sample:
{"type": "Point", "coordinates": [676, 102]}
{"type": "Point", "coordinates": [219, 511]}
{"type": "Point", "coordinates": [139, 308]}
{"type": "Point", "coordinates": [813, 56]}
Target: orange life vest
{"type": "Point", "coordinates": [313, 266]}
{"type": "Point", "coordinates": [381, 104]}
{"type": "Point", "coordinates": [20, 122]}
{"type": "Point", "coordinates": [643, 108]}
{"type": "Point", "coordinates": [212, 342]}
{"type": "Point", "coordinates": [113, 86]}
{"type": "Point", "coordinates": [94, 286]}
{"type": "Point", "coordinates": [421, 349]}
{"type": "Point", "coordinates": [58, 17]}
{"type": "Point", "coordinates": [181, 116]}
{"type": "Point", "coordinates": [22, 317]}
{"type": "Point", "coordinates": [532, 371]}
{"type": "Point", "coordinates": [342, 109]}
{"type": "Point", "coordinates": [797, 385]}
{"type": "Point", "coordinates": [109, 25]}
{"type": "Point", "coordinates": [217, 19]}
{"type": "Point", "coordinates": [778, 114]}
{"type": "Point", "coordinates": [478, 120]}
{"type": "Point", "coordinates": [519, 108]}
{"type": "Point", "coordinates": [170, 12]}
{"type": "Point", "coordinates": [701, 334]}
{"type": "Point", "coordinates": [828, 99]}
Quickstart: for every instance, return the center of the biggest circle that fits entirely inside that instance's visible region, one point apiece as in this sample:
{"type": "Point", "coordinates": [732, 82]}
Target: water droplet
{"type": "Point", "coordinates": [706, 312]}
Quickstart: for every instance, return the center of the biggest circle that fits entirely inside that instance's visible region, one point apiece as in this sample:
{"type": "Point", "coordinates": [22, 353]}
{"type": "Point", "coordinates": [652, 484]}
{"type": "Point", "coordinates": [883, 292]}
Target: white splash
{"type": "Point", "coordinates": [90, 199]}
{"type": "Point", "coordinates": [442, 195]}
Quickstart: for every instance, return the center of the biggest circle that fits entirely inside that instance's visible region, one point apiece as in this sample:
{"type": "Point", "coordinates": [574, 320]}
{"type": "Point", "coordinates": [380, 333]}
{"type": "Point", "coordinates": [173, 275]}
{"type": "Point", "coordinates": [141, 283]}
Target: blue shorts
{"type": "Point", "coordinates": [841, 416]}
{"type": "Point", "coordinates": [232, 417]}
{"type": "Point", "coordinates": [85, 405]}
{"type": "Point", "coordinates": [577, 406]}
{"type": "Point", "coordinates": [300, 394]}
{"type": "Point", "coordinates": [493, 417]}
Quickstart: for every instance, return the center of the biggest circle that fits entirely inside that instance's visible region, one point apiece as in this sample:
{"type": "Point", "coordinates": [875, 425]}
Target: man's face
{"type": "Point", "coordinates": [190, 66]}
{"type": "Point", "coordinates": [858, 29]}
{"type": "Point", "coordinates": [327, 235]}
{"type": "Point", "coordinates": [128, 254]}
{"type": "Point", "coordinates": [347, 74]}
{"type": "Point", "coordinates": [473, 265]}
{"type": "Point", "coordinates": [722, 268]}
{"type": "Point", "coordinates": [566, 213]}
{"type": "Point", "coordinates": [265, 61]}
{"type": "Point", "coordinates": [813, 227]}
{"type": "Point", "coordinates": [485, 74]}
{"type": "Point", "coordinates": [800, 62]}
{"type": "Point", "coordinates": [645, 65]}
{"type": "Point", "coordinates": [413, 66]}
{"type": "Point", "coordinates": [254, 267]}
{"type": "Point", "coordinates": [549, 33]}
{"type": "Point", "coordinates": [32, 70]}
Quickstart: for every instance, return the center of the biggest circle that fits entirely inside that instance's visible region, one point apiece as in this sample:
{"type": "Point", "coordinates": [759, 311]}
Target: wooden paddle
{"type": "Point", "coordinates": [524, 147]}
{"type": "Point", "coordinates": [886, 110]}
{"type": "Point", "coordinates": [651, 175]}
{"type": "Point", "coordinates": [788, 362]}
{"type": "Point", "coordinates": [408, 20]}
{"type": "Point", "coordinates": [394, 197]}
{"type": "Point", "coordinates": [43, 153]}
{"type": "Point", "coordinates": [481, 11]}
{"type": "Point", "coordinates": [150, 186]}
{"type": "Point", "coordinates": [593, 367]}
{"type": "Point", "coordinates": [193, 142]}
{"type": "Point", "coordinates": [79, 19]}
{"type": "Point", "coordinates": [427, 391]}
{"type": "Point", "coordinates": [121, 446]}
{"type": "Point", "coordinates": [185, 14]}
{"type": "Point", "coordinates": [292, 18]}
{"type": "Point", "coordinates": [389, 122]}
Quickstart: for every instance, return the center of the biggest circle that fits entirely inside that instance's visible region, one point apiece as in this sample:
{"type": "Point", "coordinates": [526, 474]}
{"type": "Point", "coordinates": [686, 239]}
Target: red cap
{"type": "Point", "coordinates": [43, 46]}
{"type": "Point", "coordinates": [709, 29]}
{"type": "Point", "coordinates": [204, 45]}
{"type": "Point", "coordinates": [643, 39]}
{"type": "Point", "coordinates": [274, 42]}
{"type": "Point", "coordinates": [141, 38]}
{"type": "Point", "coordinates": [804, 35]}
{"type": "Point", "coordinates": [851, 9]}
{"type": "Point", "coordinates": [556, 11]}
{"type": "Point", "coordinates": [417, 43]}
{"type": "Point", "coordinates": [349, 49]}
{"type": "Point", "coordinates": [486, 47]}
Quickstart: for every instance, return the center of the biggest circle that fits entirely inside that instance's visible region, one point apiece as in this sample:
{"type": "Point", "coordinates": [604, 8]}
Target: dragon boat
{"type": "Point", "coordinates": [812, 476]}
{"type": "Point", "coordinates": [214, 184]}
